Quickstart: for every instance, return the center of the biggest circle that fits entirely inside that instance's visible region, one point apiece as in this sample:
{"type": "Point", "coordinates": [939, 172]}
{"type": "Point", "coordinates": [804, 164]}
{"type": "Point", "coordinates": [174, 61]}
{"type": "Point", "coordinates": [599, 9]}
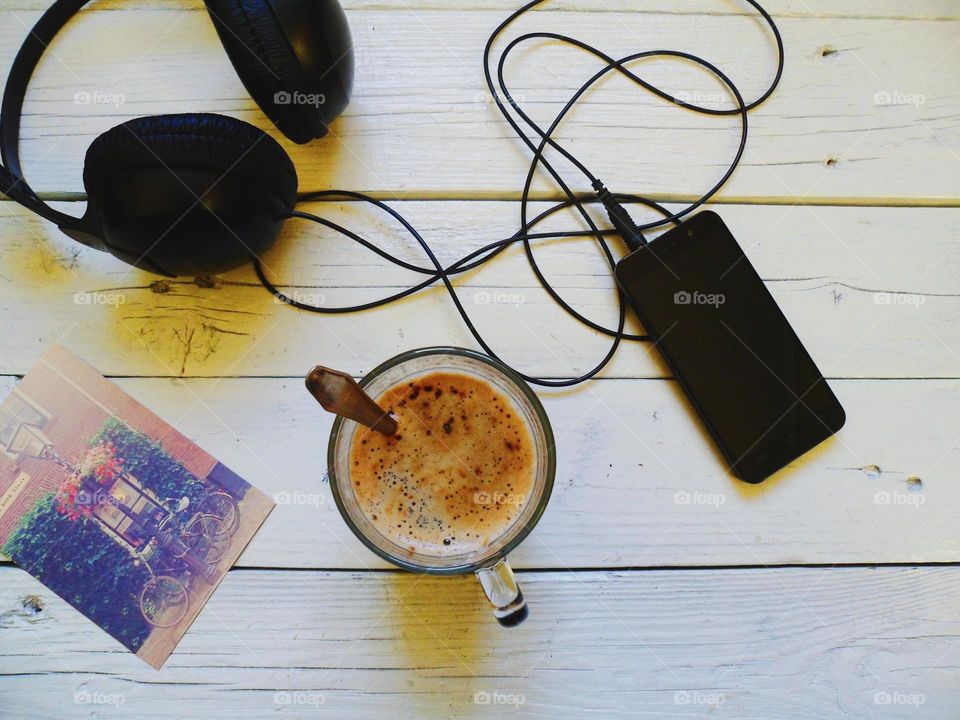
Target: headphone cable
{"type": "Point", "coordinates": [623, 225]}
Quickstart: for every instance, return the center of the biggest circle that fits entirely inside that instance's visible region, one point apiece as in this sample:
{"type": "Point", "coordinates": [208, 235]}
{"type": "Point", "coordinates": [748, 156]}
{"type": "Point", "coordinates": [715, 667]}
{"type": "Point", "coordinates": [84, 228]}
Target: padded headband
{"type": "Point", "coordinates": [24, 64]}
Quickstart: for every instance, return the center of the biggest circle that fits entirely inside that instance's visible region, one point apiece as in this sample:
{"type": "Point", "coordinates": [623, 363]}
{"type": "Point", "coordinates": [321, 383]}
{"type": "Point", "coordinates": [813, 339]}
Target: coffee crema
{"type": "Point", "coordinates": [456, 475]}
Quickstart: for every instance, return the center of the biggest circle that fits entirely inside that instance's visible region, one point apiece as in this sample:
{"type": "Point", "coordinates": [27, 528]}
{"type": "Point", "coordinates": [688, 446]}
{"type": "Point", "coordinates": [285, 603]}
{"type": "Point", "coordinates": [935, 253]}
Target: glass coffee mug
{"type": "Point", "coordinates": [489, 562]}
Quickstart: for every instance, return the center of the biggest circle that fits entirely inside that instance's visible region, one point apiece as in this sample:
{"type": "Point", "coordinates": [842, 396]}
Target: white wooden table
{"type": "Point", "coordinates": [830, 591]}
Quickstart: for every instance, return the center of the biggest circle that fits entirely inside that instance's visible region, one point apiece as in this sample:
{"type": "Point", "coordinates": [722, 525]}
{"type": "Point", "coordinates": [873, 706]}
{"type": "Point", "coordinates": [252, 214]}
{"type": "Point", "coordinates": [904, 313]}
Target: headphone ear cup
{"type": "Point", "coordinates": [301, 90]}
{"type": "Point", "coordinates": [188, 194]}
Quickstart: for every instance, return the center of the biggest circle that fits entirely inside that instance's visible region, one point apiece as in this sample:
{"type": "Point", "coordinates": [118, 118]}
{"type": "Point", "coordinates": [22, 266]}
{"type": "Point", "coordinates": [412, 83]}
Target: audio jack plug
{"type": "Point", "coordinates": [620, 218]}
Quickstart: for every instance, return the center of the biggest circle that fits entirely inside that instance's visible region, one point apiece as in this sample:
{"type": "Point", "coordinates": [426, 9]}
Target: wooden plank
{"type": "Point", "coordinates": [864, 643]}
{"type": "Point", "coordinates": [871, 291]}
{"type": "Point", "coordinates": [887, 9]}
{"type": "Point", "coordinates": [428, 130]}
{"type": "Point", "coordinates": [638, 482]}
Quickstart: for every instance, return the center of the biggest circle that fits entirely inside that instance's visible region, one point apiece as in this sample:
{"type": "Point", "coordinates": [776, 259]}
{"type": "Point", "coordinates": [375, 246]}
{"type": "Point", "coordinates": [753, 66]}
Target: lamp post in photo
{"type": "Point", "coordinates": [32, 442]}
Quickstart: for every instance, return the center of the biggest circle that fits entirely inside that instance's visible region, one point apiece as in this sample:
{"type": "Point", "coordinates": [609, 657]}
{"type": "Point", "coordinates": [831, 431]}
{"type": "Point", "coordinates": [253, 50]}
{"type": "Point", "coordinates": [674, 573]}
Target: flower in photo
{"type": "Point", "coordinates": [102, 464]}
{"type": "Point", "coordinates": [67, 498]}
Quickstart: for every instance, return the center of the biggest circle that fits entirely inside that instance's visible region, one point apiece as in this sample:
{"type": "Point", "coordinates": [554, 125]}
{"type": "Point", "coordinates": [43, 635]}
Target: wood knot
{"type": "Point", "coordinates": [832, 161]}
{"type": "Point", "coordinates": [208, 281]}
{"type": "Point", "coordinates": [160, 287]}
{"type": "Point", "coordinates": [33, 604]}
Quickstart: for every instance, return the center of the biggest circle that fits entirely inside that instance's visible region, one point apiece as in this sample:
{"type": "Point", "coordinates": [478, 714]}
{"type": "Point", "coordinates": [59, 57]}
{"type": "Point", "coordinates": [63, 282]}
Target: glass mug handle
{"type": "Point", "coordinates": [501, 589]}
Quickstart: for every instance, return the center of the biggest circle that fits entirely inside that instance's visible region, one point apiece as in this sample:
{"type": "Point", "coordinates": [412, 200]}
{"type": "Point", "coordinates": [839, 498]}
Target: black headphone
{"type": "Point", "coordinates": [199, 193]}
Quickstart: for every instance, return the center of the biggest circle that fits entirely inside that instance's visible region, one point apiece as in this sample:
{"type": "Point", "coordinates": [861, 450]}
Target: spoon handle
{"type": "Point", "coordinates": [340, 394]}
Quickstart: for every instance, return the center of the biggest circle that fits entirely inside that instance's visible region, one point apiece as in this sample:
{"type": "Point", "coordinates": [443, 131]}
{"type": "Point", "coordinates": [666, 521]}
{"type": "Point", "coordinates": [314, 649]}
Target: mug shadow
{"type": "Point", "coordinates": [440, 627]}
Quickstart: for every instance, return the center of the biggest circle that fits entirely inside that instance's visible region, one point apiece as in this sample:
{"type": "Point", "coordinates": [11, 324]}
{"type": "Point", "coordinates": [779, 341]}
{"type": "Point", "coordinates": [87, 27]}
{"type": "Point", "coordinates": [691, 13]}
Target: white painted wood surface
{"type": "Point", "coordinates": [647, 578]}
{"type": "Point", "coordinates": [873, 292]}
{"type": "Point", "coordinates": [637, 484]}
{"type": "Point", "coordinates": [789, 643]}
{"type": "Point", "coordinates": [422, 125]}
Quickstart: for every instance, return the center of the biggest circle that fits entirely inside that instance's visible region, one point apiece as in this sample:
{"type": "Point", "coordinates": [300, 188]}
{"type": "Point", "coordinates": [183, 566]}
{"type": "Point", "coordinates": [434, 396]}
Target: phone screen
{"type": "Point", "coordinates": [730, 346]}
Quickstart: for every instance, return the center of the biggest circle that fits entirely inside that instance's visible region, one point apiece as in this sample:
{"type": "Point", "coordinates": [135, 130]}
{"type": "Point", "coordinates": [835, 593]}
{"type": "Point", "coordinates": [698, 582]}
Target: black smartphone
{"type": "Point", "coordinates": [730, 346]}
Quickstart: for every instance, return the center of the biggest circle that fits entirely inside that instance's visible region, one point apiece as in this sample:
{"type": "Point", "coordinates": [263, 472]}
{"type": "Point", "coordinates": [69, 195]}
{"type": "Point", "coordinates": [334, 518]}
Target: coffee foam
{"type": "Point", "coordinates": [456, 475]}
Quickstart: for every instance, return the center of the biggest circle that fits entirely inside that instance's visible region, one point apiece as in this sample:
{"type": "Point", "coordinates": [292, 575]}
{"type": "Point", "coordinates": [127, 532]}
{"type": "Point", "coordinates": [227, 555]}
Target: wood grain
{"type": "Point", "coordinates": [638, 482]}
{"type": "Point", "coordinates": [649, 576]}
{"type": "Point", "coordinates": [426, 129]}
{"type": "Point", "coordinates": [872, 292]}
{"type": "Point", "coordinates": [888, 9]}
{"type": "Point", "coordinates": [791, 644]}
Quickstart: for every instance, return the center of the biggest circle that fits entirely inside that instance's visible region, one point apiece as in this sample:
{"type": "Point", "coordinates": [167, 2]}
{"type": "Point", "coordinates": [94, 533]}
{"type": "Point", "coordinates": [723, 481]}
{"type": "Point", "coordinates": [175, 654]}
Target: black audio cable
{"type": "Point", "coordinates": [615, 204]}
